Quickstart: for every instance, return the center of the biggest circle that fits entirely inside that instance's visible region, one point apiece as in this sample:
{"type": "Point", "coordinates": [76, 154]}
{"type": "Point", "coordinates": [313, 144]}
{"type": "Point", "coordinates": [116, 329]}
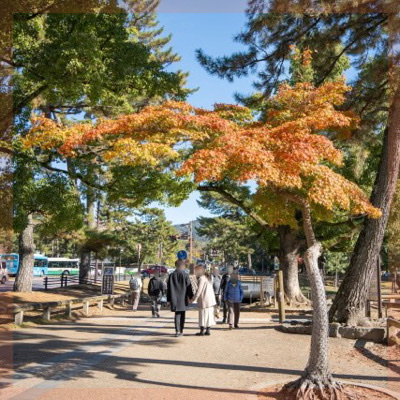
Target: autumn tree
{"type": "Point", "coordinates": [293, 167]}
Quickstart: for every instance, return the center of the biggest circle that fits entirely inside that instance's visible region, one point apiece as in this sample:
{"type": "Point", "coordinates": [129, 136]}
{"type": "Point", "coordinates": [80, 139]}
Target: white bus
{"type": "Point", "coordinates": [60, 265]}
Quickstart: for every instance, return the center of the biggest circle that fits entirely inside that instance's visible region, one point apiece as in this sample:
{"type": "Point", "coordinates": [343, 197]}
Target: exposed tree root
{"type": "Point", "coordinates": [297, 300]}
{"type": "Point", "coordinates": [309, 388]}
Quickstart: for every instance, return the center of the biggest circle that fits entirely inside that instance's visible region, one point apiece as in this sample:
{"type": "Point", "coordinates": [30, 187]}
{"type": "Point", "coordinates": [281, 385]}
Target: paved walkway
{"type": "Point", "coordinates": [124, 355]}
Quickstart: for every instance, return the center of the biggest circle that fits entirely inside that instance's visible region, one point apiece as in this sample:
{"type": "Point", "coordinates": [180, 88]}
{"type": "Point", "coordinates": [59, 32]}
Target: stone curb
{"type": "Point", "coordinates": [260, 386]}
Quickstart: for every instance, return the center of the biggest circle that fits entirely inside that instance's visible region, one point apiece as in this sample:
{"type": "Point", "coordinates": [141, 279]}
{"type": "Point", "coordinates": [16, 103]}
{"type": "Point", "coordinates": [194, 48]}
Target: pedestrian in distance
{"type": "Point", "coordinates": [216, 283]}
{"type": "Point", "coordinates": [156, 291]}
{"type": "Point", "coordinates": [135, 285]}
{"type": "Point", "coordinates": [179, 291]}
{"type": "Point", "coordinates": [205, 299]}
{"type": "Point", "coordinates": [233, 296]}
{"type": "Point", "coordinates": [224, 282]}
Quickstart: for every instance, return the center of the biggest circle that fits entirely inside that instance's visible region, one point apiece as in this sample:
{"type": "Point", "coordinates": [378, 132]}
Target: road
{"type": "Point", "coordinates": [124, 355]}
{"type": "Point", "coordinates": [8, 286]}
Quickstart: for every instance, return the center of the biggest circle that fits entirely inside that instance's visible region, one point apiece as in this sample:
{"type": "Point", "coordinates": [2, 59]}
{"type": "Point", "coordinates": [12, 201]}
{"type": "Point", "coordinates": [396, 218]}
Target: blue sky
{"type": "Point", "coordinates": [212, 32]}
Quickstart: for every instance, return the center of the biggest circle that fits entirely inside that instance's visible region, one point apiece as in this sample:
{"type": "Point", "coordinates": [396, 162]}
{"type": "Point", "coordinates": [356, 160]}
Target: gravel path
{"type": "Point", "coordinates": [124, 355]}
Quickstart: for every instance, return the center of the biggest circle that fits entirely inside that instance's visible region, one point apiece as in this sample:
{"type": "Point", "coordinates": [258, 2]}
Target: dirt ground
{"type": "Point", "coordinates": [128, 355]}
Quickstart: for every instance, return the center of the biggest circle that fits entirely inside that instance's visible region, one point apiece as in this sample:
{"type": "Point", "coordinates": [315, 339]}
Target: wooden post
{"type": "Point", "coordinates": [281, 297]}
{"type": "Point", "coordinates": [19, 318]}
{"type": "Point", "coordinates": [111, 301]}
{"type": "Point", "coordinates": [86, 308]}
{"type": "Point", "coordinates": [380, 314]}
{"type": "Point", "coordinates": [100, 305]}
{"type": "Point", "coordinates": [47, 314]}
{"type": "Point", "coordinates": [68, 309]}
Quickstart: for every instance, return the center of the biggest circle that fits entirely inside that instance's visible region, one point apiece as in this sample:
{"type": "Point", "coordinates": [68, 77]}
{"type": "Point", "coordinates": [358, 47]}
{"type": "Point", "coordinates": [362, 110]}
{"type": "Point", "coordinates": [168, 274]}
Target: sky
{"type": "Point", "coordinates": [212, 32]}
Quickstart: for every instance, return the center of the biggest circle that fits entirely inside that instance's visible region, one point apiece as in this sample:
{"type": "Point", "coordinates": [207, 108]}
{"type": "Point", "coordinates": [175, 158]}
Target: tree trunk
{"type": "Point", "coordinates": [90, 208]}
{"type": "Point", "coordinates": [24, 279]}
{"type": "Point", "coordinates": [317, 375]}
{"type": "Point", "coordinates": [350, 300]}
{"type": "Point", "coordinates": [289, 249]}
{"type": "Point", "coordinates": [84, 266]}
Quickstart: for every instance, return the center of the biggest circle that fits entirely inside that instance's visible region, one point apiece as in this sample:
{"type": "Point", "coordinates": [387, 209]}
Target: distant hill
{"type": "Point", "coordinates": [184, 228]}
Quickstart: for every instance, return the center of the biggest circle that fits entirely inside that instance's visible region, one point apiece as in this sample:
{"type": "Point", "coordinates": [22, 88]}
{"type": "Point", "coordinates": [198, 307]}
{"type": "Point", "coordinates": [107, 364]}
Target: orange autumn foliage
{"type": "Point", "coordinates": [291, 154]}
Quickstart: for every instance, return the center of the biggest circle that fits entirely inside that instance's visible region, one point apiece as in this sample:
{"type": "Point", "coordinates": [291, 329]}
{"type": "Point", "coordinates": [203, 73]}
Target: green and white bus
{"type": "Point", "coordinates": [60, 265]}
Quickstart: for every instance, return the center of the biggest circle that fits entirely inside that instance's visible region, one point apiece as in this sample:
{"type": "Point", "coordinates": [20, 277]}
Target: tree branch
{"type": "Point", "coordinates": [240, 203]}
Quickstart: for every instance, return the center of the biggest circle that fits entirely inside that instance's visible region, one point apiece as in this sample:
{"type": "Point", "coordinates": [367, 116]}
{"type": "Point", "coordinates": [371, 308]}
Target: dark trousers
{"type": "Point", "coordinates": [155, 305]}
{"type": "Point", "coordinates": [234, 313]}
{"type": "Point", "coordinates": [180, 320]}
{"type": "Point", "coordinates": [225, 309]}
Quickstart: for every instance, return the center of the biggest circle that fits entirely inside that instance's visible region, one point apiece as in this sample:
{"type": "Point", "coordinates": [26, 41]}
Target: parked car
{"type": "Point", "coordinates": [153, 269]}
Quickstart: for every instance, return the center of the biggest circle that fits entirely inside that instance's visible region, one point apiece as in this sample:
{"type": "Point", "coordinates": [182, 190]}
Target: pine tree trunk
{"type": "Point", "coordinates": [24, 279]}
{"type": "Point", "coordinates": [84, 267]}
{"type": "Point", "coordinates": [289, 250]}
{"type": "Point", "coordinates": [350, 300]}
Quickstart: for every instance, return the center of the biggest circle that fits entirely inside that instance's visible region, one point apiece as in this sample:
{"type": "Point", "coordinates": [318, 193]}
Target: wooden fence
{"type": "Point", "coordinates": [49, 307]}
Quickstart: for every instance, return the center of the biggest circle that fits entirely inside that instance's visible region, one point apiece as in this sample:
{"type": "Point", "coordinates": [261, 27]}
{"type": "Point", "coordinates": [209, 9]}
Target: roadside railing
{"type": "Point", "coordinates": [65, 280]}
{"type": "Point", "coordinates": [56, 306]}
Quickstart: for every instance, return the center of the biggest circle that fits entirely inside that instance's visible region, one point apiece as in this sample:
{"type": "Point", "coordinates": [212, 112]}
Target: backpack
{"type": "Point", "coordinates": [133, 283]}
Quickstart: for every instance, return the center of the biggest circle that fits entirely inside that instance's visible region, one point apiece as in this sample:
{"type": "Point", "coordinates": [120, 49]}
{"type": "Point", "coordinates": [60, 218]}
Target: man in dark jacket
{"type": "Point", "coordinates": [179, 292]}
{"type": "Point", "coordinates": [156, 291]}
{"type": "Point", "coordinates": [224, 283]}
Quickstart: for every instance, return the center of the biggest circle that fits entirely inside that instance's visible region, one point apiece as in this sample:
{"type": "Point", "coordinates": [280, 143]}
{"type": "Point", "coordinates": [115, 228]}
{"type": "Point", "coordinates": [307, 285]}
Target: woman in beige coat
{"type": "Point", "coordinates": [205, 299]}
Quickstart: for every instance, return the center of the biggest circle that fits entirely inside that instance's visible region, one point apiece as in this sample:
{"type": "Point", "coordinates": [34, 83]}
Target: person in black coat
{"type": "Point", "coordinates": [179, 292]}
{"type": "Point", "coordinates": [156, 291]}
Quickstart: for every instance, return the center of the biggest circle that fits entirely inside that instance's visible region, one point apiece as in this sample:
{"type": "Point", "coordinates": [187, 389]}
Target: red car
{"type": "Point", "coordinates": [153, 269]}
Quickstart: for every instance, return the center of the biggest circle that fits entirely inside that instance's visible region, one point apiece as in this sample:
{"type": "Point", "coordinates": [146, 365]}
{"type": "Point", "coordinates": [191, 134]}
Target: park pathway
{"type": "Point", "coordinates": [124, 355]}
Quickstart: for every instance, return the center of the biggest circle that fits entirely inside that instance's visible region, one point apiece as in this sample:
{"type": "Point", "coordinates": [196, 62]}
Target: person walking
{"type": "Point", "coordinates": [216, 283]}
{"type": "Point", "coordinates": [233, 296]}
{"type": "Point", "coordinates": [135, 285]}
{"type": "Point", "coordinates": [205, 299]}
{"type": "Point", "coordinates": [156, 291]}
{"type": "Point", "coordinates": [179, 291]}
{"type": "Point", "coordinates": [224, 282]}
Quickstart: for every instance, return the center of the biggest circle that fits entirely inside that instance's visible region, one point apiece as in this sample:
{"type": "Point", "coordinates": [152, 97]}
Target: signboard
{"type": "Point", "coordinates": [182, 255]}
{"type": "Point", "coordinates": [107, 282]}
{"type": "Point", "coordinates": [268, 285]}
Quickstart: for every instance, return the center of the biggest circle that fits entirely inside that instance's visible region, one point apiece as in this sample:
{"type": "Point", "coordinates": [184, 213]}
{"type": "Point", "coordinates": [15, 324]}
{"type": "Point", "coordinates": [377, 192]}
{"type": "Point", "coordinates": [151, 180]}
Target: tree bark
{"type": "Point", "coordinates": [350, 300]}
{"type": "Point", "coordinates": [289, 249]}
{"type": "Point", "coordinates": [317, 375]}
{"type": "Point", "coordinates": [24, 279]}
{"type": "Point", "coordinates": [84, 266]}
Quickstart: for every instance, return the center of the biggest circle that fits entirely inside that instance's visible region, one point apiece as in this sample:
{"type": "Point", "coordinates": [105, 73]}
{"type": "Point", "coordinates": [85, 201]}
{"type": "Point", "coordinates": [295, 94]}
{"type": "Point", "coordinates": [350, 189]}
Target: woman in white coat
{"type": "Point", "coordinates": [205, 299]}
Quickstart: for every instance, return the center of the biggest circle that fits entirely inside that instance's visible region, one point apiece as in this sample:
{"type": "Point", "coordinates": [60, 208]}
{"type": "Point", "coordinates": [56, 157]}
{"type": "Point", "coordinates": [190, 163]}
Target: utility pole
{"type": "Point", "coordinates": [138, 249]}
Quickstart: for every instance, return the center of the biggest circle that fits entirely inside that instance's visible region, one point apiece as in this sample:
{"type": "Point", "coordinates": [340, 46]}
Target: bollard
{"type": "Point", "coordinates": [100, 305]}
{"type": "Point", "coordinates": [86, 308]}
{"type": "Point", "coordinates": [68, 309]}
{"type": "Point", "coordinates": [19, 318]}
{"type": "Point", "coordinates": [47, 314]}
{"type": "Point", "coordinates": [45, 282]}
